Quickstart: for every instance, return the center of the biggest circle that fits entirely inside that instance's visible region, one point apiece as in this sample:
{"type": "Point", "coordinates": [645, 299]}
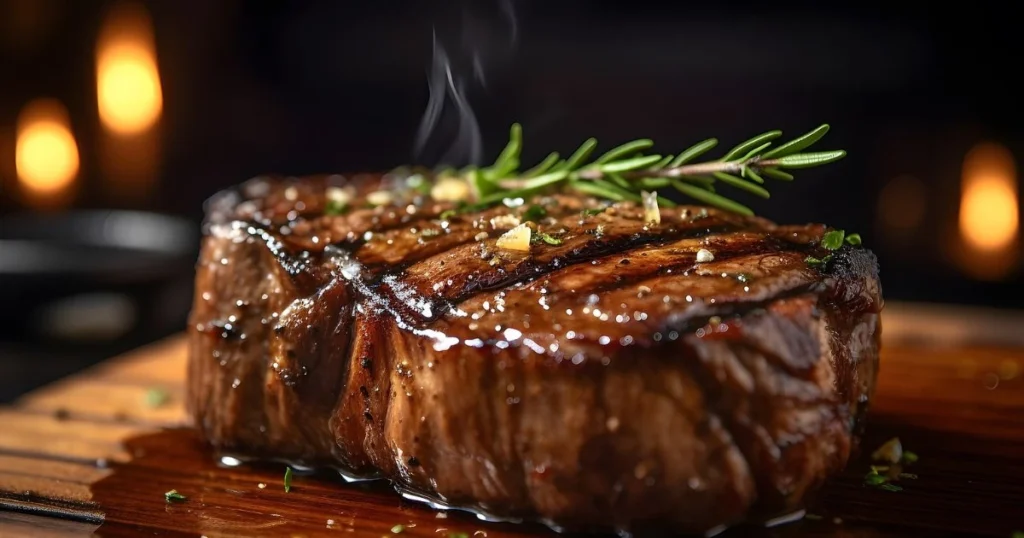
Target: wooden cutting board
{"type": "Point", "coordinates": [95, 454]}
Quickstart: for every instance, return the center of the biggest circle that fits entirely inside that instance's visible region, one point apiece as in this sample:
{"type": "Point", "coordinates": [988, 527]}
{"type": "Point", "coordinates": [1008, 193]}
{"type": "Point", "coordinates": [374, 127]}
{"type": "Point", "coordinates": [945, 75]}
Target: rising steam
{"type": "Point", "coordinates": [450, 80]}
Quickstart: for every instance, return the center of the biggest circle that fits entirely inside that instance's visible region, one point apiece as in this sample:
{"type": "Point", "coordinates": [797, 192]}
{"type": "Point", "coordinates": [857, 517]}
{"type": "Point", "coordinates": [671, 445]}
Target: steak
{"type": "Point", "coordinates": [621, 375]}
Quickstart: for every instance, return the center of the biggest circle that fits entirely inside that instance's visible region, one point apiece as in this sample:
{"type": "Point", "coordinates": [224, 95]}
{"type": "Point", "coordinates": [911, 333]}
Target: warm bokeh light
{"type": "Point", "coordinates": [46, 155]}
{"type": "Point", "coordinates": [128, 89]}
{"type": "Point", "coordinates": [989, 220]}
{"type": "Point", "coordinates": [989, 213]}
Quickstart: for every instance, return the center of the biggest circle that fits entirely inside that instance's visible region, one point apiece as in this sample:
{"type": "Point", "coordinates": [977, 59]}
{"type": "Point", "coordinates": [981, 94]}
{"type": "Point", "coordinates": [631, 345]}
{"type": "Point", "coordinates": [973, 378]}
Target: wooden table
{"type": "Point", "coordinates": [88, 455]}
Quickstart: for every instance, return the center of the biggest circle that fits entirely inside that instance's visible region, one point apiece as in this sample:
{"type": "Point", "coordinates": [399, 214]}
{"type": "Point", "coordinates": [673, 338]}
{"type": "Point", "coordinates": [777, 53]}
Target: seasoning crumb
{"type": "Point", "coordinates": [704, 255]}
{"type": "Point", "coordinates": [330, 522]}
{"type": "Point", "coordinates": [481, 236]}
{"type": "Point", "coordinates": [442, 515]}
{"type": "Point", "coordinates": [397, 529]}
{"type": "Point", "coordinates": [261, 485]}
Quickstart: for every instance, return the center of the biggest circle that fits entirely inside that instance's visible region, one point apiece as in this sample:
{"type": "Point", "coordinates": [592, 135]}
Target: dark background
{"type": "Point", "coordinates": [325, 86]}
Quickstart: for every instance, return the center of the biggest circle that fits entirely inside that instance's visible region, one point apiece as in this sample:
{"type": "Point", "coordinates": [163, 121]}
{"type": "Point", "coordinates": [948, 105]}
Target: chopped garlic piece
{"type": "Point", "coordinates": [652, 214]}
{"type": "Point", "coordinates": [339, 195]}
{"type": "Point", "coordinates": [517, 238]}
{"type": "Point", "coordinates": [505, 221]}
{"type": "Point", "coordinates": [291, 194]}
{"type": "Point", "coordinates": [480, 236]}
{"type": "Point", "coordinates": [891, 451]}
{"type": "Point", "coordinates": [450, 189]}
{"type": "Point", "coordinates": [704, 255]}
{"type": "Point", "coordinates": [379, 198]}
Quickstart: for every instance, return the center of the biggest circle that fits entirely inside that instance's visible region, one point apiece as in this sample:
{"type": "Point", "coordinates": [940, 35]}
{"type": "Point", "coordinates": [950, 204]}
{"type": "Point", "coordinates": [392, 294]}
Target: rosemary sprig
{"type": "Point", "coordinates": [624, 172]}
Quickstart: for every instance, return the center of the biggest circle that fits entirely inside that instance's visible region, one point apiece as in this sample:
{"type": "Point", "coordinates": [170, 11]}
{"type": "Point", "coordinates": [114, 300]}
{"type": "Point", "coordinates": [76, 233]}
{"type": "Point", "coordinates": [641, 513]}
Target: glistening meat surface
{"type": "Point", "coordinates": [605, 381]}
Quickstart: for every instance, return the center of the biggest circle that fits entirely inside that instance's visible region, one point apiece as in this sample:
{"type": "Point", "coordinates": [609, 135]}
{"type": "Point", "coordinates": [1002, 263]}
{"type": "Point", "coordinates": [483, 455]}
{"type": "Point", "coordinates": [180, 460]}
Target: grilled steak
{"type": "Point", "coordinates": [610, 378]}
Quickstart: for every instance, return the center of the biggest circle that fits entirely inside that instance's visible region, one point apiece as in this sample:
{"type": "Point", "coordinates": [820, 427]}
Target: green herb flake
{"type": "Point", "coordinates": [397, 529]}
{"type": "Point", "coordinates": [909, 457]}
{"type": "Point", "coordinates": [853, 239]}
{"type": "Point", "coordinates": [875, 479]}
{"type": "Point", "coordinates": [534, 213]}
{"type": "Point", "coordinates": [287, 479]}
{"type": "Point", "coordinates": [592, 212]}
{"type": "Point", "coordinates": [419, 183]}
{"type": "Point", "coordinates": [890, 487]}
{"type": "Point", "coordinates": [335, 207]}
{"type": "Point", "coordinates": [908, 476]}
{"type": "Point", "coordinates": [818, 262]}
{"type": "Point", "coordinates": [458, 535]}
{"type": "Point", "coordinates": [813, 517]}
{"type": "Point", "coordinates": [156, 397]}
{"type": "Point", "coordinates": [174, 497]}
{"type": "Point", "coordinates": [546, 238]}
{"type": "Point", "coordinates": [445, 215]}
{"type": "Point", "coordinates": [833, 240]}
{"type": "Point", "coordinates": [1017, 534]}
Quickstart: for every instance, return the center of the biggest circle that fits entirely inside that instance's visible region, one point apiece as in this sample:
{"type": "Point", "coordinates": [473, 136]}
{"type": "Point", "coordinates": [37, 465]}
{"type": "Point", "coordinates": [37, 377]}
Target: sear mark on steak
{"type": "Point", "coordinates": [606, 382]}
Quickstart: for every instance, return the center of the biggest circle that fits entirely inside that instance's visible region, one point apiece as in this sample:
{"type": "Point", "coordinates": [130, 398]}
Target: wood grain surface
{"type": "Point", "coordinates": [91, 455]}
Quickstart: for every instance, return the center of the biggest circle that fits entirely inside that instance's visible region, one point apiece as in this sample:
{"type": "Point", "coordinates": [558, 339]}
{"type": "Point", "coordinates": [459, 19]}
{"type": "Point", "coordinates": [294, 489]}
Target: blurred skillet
{"type": "Point", "coordinates": [92, 278]}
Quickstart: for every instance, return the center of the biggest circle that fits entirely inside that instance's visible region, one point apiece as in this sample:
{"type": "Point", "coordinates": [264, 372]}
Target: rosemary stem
{"type": "Point", "coordinates": [699, 169]}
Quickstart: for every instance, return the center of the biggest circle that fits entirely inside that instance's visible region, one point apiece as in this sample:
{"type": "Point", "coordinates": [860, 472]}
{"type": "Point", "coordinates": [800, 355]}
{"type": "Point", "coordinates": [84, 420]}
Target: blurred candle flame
{"type": "Point", "coordinates": [989, 212]}
{"type": "Point", "coordinates": [128, 89]}
{"type": "Point", "coordinates": [46, 154]}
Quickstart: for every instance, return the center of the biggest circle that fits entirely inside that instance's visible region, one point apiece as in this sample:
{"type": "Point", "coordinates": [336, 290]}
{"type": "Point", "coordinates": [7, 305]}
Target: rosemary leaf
{"type": "Point", "coordinates": [578, 156]}
{"type": "Point", "coordinates": [617, 179]}
{"type": "Point", "coordinates": [480, 185]}
{"type": "Point", "coordinates": [808, 160]}
{"type": "Point", "coordinates": [853, 239]}
{"type": "Point", "coordinates": [663, 163]}
{"type": "Point", "coordinates": [605, 189]}
{"type": "Point", "coordinates": [511, 151]}
{"type": "Point", "coordinates": [653, 183]}
{"type": "Point", "coordinates": [624, 150]}
{"type": "Point", "coordinates": [635, 163]}
{"type": "Point", "coordinates": [775, 173]}
{"type": "Point", "coordinates": [698, 180]}
{"type": "Point", "coordinates": [693, 152]}
{"type": "Point", "coordinates": [710, 198]}
{"type": "Point", "coordinates": [756, 150]}
{"type": "Point", "coordinates": [797, 144]}
{"type": "Point", "coordinates": [749, 173]}
{"type": "Point", "coordinates": [543, 166]}
{"type": "Point", "coordinates": [741, 183]}
{"type": "Point", "coordinates": [747, 145]}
